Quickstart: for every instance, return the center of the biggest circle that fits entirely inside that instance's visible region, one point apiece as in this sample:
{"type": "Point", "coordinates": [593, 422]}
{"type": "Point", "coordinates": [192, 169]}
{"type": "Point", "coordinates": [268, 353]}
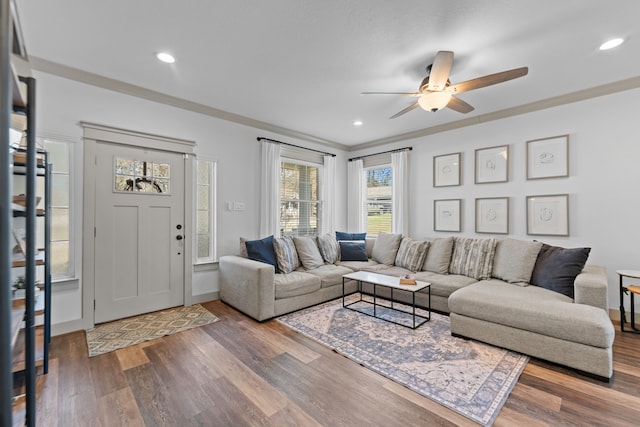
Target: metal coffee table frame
{"type": "Point", "coordinates": [420, 286]}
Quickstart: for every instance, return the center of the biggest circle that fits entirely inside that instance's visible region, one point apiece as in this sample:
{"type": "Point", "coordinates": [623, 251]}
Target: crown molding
{"type": "Point", "coordinates": [97, 80]}
{"type": "Point", "coordinates": [568, 98]}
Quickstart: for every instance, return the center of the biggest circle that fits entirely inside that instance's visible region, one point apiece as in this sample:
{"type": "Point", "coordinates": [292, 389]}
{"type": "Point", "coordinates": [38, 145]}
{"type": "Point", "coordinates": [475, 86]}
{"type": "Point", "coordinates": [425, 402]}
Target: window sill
{"type": "Point", "coordinates": [205, 266]}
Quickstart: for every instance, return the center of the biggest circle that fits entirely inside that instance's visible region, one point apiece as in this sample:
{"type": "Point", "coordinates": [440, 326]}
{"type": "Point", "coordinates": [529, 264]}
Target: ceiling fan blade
{"type": "Point", "coordinates": [391, 93]}
{"type": "Point", "coordinates": [459, 105]}
{"type": "Point", "coordinates": [406, 110]}
{"type": "Point", "coordinates": [440, 70]}
{"type": "Point", "coordinates": [489, 80]}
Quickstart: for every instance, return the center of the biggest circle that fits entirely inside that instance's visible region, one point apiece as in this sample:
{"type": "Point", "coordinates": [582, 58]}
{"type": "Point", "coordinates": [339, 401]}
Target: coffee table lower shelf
{"type": "Point", "coordinates": [417, 319]}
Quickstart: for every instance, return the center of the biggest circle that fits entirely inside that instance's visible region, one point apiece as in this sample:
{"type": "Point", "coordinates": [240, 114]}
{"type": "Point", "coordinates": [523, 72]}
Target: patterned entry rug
{"type": "Point", "coordinates": [134, 330]}
{"type": "Point", "coordinates": [472, 378]}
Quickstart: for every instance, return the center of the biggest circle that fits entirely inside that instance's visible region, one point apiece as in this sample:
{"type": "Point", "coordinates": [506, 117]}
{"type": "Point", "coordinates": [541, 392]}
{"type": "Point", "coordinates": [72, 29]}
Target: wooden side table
{"type": "Point", "coordinates": [631, 290]}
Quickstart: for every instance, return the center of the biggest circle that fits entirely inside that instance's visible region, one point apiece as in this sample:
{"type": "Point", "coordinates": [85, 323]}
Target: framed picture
{"type": "Point", "coordinates": [446, 215]}
{"type": "Point", "coordinates": [446, 170]}
{"type": "Point", "coordinates": [492, 164]}
{"type": "Point", "coordinates": [548, 215]}
{"type": "Point", "coordinates": [548, 157]}
{"type": "Point", "coordinates": [492, 215]}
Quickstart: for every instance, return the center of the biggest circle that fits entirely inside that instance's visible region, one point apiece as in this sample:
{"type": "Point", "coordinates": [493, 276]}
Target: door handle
{"type": "Point", "coordinates": [179, 237]}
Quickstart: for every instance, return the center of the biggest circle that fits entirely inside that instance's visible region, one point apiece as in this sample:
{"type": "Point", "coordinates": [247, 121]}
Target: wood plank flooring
{"type": "Point", "coordinates": [238, 372]}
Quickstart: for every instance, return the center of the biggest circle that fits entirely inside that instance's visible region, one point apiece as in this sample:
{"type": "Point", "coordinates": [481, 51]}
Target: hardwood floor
{"type": "Point", "coordinates": [238, 372]}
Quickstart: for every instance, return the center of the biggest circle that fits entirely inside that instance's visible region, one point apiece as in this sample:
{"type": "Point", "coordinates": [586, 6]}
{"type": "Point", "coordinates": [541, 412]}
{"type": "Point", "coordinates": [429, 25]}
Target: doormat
{"type": "Point", "coordinates": [123, 333]}
{"type": "Point", "coordinates": [469, 377]}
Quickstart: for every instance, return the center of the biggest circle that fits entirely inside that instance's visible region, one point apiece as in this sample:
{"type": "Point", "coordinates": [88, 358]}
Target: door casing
{"type": "Point", "coordinates": [92, 133]}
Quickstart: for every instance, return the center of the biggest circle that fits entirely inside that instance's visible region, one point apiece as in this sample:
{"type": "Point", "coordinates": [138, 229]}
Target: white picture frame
{"type": "Point", "coordinates": [446, 170]}
{"type": "Point", "coordinates": [548, 157]}
{"type": "Point", "coordinates": [446, 215]}
{"type": "Point", "coordinates": [492, 164]}
{"type": "Point", "coordinates": [548, 215]}
{"type": "Point", "coordinates": [492, 215]}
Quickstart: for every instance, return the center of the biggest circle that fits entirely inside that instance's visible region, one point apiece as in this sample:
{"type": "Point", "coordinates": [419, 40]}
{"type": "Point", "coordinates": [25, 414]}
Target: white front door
{"type": "Point", "coordinates": [139, 231]}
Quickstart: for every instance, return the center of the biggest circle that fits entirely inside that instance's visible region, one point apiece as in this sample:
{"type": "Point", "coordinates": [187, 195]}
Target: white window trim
{"type": "Point", "coordinates": [366, 199]}
{"type": "Point", "coordinates": [320, 167]}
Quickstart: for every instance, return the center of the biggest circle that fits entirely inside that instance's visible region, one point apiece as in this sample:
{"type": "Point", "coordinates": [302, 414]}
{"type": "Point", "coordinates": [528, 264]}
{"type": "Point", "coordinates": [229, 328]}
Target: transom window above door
{"type": "Point", "coordinates": [141, 176]}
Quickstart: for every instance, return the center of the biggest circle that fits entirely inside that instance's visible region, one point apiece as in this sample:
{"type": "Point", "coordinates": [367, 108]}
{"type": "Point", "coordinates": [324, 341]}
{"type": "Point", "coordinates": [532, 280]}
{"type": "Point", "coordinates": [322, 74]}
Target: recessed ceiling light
{"type": "Point", "coordinates": [165, 57]}
{"type": "Point", "coordinates": [357, 123]}
{"type": "Point", "coordinates": [610, 44]}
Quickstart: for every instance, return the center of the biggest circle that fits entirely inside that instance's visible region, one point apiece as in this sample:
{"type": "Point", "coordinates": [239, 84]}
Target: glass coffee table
{"type": "Point", "coordinates": [393, 283]}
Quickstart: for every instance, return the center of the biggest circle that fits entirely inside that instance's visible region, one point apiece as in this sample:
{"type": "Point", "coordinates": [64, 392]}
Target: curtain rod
{"type": "Point", "coordinates": [297, 146]}
{"type": "Point", "coordinates": [397, 150]}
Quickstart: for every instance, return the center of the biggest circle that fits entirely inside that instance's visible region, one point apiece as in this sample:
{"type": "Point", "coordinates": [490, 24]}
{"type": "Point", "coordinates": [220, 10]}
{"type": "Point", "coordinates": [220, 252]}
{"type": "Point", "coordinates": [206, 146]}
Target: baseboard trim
{"type": "Point", "coordinates": [209, 296]}
{"type": "Point", "coordinates": [67, 327]}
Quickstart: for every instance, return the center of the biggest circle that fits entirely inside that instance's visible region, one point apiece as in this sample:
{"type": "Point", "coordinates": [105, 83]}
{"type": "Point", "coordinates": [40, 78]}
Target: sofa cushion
{"type": "Point", "coordinates": [444, 285]}
{"type": "Point", "coordinates": [514, 260]}
{"type": "Point", "coordinates": [262, 250]}
{"type": "Point", "coordinates": [556, 268]}
{"type": "Point", "coordinates": [411, 254]}
{"type": "Point", "coordinates": [389, 270]}
{"type": "Point", "coordinates": [308, 252]}
{"type": "Point", "coordinates": [473, 257]}
{"type": "Point", "coordinates": [341, 235]}
{"type": "Point", "coordinates": [294, 284]}
{"type": "Point", "coordinates": [439, 255]}
{"type": "Point", "coordinates": [243, 247]}
{"type": "Point", "coordinates": [353, 250]}
{"type": "Point", "coordinates": [330, 274]}
{"type": "Point", "coordinates": [286, 254]}
{"type": "Point", "coordinates": [534, 309]}
{"type": "Point", "coordinates": [357, 265]}
{"type": "Point", "coordinates": [329, 248]}
{"type": "Point", "coordinates": [386, 247]}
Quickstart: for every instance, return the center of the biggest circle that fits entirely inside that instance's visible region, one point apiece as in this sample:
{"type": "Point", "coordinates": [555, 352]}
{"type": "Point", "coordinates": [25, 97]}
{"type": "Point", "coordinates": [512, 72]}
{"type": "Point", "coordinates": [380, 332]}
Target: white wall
{"type": "Point", "coordinates": [603, 184]}
{"type": "Point", "coordinates": [62, 104]}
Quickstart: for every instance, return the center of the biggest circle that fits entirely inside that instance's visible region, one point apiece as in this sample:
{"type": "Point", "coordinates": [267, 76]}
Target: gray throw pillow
{"type": "Point", "coordinates": [386, 248]}
{"type": "Point", "coordinates": [308, 252]}
{"type": "Point", "coordinates": [286, 254]}
{"type": "Point", "coordinates": [473, 257]}
{"type": "Point", "coordinates": [514, 260]}
{"type": "Point", "coordinates": [439, 255]}
{"type": "Point", "coordinates": [329, 248]}
{"type": "Point", "coordinates": [411, 254]}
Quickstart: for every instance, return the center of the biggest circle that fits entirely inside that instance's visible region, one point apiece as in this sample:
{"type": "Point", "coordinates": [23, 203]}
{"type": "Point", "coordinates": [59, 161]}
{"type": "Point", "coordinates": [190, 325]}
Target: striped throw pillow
{"type": "Point", "coordinates": [411, 254]}
{"type": "Point", "coordinates": [286, 254]}
{"type": "Point", "coordinates": [329, 248]}
{"type": "Point", "coordinates": [473, 257]}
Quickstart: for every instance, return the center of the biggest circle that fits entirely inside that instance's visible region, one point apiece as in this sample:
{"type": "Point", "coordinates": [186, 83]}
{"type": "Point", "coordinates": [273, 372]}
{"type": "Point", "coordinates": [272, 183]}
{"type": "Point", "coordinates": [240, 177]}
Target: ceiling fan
{"type": "Point", "coordinates": [436, 91]}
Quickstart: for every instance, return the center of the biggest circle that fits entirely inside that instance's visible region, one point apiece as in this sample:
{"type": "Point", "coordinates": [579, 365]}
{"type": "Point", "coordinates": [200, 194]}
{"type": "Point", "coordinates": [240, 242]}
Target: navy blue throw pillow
{"type": "Point", "coordinates": [556, 268]}
{"type": "Point", "coordinates": [262, 250]}
{"type": "Point", "coordinates": [340, 235]}
{"type": "Point", "coordinates": [353, 251]}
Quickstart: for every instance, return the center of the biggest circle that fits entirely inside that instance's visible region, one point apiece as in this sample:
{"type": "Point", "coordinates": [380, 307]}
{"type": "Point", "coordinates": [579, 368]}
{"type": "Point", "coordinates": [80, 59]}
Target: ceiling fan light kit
{"type": "Point", "coordinates": [436, 91]}
{"type": "Point", "coordinates": [434, 101]}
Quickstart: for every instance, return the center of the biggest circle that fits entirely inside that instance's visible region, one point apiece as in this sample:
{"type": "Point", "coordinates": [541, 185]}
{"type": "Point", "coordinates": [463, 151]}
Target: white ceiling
{"type": "Point", "coordinates": [301, 64]}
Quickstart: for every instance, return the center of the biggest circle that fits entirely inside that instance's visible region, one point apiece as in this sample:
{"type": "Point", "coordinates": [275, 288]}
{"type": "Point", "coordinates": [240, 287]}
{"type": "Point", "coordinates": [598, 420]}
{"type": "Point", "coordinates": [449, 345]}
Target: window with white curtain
{"type": "Point", "coordinates": [205, 229]}
{"type": "Point", "coordinates": [379, 206]}
{"type": "Point", "coordinates": [300, 202]}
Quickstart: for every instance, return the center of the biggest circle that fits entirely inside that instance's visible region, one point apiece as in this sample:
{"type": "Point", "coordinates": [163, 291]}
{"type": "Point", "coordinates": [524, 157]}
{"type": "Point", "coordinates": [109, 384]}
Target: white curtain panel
{"type": "Point", "coordinates": [270, 190]}
{"type": "Point", "coordinates": [328, 195]}
{"type": "Point", "coordinates": [357, 194]}
{"type": "Point", "coordinates": [400, 188]}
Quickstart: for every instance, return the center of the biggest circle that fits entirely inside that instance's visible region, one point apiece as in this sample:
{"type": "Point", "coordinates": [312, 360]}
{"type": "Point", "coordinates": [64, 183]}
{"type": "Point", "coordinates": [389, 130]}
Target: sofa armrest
{"type": "Point", "coordinates": [248, 285]}
{"type": "Point", "coordinates": [591, 287]}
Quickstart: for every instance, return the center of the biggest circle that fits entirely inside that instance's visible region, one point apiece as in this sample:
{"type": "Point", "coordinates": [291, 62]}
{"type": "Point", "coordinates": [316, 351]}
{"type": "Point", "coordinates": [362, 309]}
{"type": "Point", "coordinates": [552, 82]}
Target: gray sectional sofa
{"type": "Point", "coordinates": [484, 284]}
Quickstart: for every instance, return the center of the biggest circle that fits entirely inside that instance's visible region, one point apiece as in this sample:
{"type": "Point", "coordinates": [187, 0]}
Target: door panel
{"type": "Point", "coordinates": [139, 262]}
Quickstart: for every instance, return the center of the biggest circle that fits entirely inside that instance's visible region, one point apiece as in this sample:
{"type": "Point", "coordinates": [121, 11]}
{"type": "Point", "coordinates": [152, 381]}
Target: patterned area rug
{"type": "Point", "coordinates": [472, 378]}
{"type": "Point", "coordinates": [134, 330]}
